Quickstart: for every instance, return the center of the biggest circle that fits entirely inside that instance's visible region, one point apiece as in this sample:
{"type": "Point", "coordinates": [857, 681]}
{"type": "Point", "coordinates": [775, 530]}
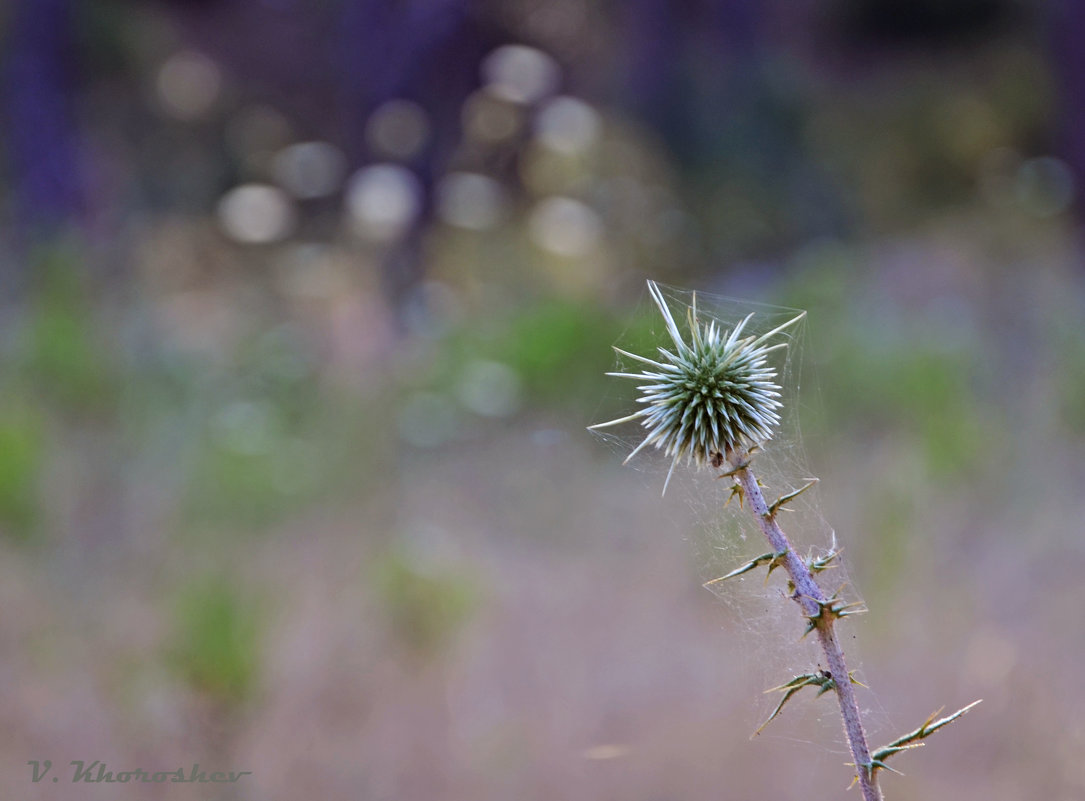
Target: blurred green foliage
{"type": "Point", "coordinates": [1070, 377]}
{"type": "Point", "coordinates": [427, 606]}
{"type": "Point", "coordinates": [890, 373]}
{"type": "Point", "coordinates": [888, 525]}
{"type": "Point", "coordinates": [920, 388]}
{"type": "Point", "coordinates": [215, 642]}
{"type": "Point", "coordinates": [247, 489]}
{"type": "Point", "coordinates": [63, 353]}
{"type": "Point", "coordinates": [22, 454]}
{"type": "Point", "coordinates": [546, 346]}
{"type": "Point", "coordinates": [263, 435]}
{"type": "Point", "coordinates": [241, 437]}
{"type": "Point", "coordinates": [258, 458]}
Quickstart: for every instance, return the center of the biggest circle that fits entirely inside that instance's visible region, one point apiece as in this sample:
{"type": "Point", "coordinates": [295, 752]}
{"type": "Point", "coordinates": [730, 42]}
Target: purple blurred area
{"type": "Point", "coordinates": [40, 79]}
{"type": "Point", "coordinates": [100, 93]}
{"type": "Point", "coordinates": [306, 305]}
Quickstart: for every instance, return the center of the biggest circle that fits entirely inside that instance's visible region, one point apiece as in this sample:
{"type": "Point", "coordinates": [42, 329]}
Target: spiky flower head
{"type": "Point", "coordinates": [714, 393]}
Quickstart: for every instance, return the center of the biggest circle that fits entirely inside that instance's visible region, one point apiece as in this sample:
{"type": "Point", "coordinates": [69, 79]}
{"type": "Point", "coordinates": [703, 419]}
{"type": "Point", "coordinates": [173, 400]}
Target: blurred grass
{"type": "Point", "coordinates": [426, 606]}
{"type": "Point", "coordinates": [215, 642]}
{"type": "Point", "coordinates": [63, 353]}
{"type": "Point", "coordinates": [22, 454]}
{"type": "Point", "coordinates": [877, 371]}
{"type": "Point", "coordinates": [543, 343]}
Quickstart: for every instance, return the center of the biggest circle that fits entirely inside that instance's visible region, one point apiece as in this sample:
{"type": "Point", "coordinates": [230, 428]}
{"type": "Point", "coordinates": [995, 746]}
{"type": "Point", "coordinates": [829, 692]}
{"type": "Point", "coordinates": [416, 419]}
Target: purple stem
{"type": "Point", "coordinates": [812, 599]}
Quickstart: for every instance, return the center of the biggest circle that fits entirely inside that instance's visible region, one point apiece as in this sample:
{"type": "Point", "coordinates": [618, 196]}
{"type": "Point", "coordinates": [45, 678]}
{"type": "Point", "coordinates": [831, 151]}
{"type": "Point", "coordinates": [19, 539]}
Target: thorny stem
{"type": "Point", "coordinates": [811, 598]}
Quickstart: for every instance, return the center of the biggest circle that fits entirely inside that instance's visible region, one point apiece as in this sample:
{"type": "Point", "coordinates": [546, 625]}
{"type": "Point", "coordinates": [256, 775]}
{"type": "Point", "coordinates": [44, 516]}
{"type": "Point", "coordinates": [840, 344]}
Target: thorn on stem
{"type": "Point", "coordinates": [790, 496]}
{"type": "Point", "coordinates": [832, 609]}
{"type": "Point", "coordinates": [773, 560]}
{"type": "Point", "coordinates": [912, 739]}
{"type": "Point", "coordinates": [821, 679]}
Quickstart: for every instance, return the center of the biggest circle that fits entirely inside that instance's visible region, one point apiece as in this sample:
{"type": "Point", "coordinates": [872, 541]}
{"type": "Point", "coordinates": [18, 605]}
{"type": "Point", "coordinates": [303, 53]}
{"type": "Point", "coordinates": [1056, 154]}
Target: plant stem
{"type": "Point", "coordinates": [813, 602]}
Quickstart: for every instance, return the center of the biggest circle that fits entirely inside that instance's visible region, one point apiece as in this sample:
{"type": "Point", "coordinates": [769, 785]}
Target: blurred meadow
{"type": "Point", "coordinates": [306, 306]}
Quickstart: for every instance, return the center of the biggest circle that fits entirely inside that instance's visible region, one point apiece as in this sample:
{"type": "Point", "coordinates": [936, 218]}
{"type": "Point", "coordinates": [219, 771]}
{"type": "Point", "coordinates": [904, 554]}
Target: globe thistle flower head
{"type": "Point", "coordinates": [713, 393]}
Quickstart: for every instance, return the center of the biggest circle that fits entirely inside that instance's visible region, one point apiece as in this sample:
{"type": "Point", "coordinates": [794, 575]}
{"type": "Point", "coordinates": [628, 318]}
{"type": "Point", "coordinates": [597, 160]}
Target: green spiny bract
{"type": "Point", "coordinates": [712, 394]}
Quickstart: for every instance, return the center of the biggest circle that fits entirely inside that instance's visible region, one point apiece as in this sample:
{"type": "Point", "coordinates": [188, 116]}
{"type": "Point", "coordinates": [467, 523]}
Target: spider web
{"type": "Point", "coordinates": [766, 623]}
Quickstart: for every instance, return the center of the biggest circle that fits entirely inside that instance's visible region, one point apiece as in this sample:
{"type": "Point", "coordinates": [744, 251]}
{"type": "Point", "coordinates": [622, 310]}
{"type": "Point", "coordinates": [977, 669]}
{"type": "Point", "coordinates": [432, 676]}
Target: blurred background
{"type": "Point", "coordinates": [306, 306]}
